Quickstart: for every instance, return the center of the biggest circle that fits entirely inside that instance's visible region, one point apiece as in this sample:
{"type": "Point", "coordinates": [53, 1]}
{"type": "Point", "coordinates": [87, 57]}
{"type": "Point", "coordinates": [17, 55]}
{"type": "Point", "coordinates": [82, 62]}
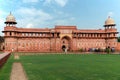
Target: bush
{"type": "Point", "coordinates": [81, 50]}
{"type": "Point", "coordinates": [108, 50]}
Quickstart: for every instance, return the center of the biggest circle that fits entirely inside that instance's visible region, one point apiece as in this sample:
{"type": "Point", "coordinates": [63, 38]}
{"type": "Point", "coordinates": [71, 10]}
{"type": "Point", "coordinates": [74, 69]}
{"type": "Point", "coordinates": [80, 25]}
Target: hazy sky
{"type": "Point", "coordinates": [85, 14]}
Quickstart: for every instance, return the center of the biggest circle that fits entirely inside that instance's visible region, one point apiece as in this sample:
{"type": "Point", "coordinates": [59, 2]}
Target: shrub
{"type": "Point", "coordinates": [81, 50]}
{"type": "Point", "coordinates": [108, 50]}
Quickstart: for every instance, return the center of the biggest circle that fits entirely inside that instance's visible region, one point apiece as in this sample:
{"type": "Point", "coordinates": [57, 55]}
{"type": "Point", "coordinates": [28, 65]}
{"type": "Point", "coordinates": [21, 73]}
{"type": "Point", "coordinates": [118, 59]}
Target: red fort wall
{"type": "Point", "coordinates": [58, 38]}
{"type": "Point", "coordinates": [47, 40]}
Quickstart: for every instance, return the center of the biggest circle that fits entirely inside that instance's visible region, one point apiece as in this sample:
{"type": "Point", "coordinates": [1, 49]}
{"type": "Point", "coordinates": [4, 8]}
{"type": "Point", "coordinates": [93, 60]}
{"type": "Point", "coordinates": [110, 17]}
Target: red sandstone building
{"type": "Point", "coordinates": [57, 38]}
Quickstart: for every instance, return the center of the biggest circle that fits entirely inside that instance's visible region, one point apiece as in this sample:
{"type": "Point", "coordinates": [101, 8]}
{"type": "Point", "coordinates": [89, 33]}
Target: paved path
{"type": "Point", "coordinates": [16, 56]}
{"type": "Point", "coordinates": [17, 72]}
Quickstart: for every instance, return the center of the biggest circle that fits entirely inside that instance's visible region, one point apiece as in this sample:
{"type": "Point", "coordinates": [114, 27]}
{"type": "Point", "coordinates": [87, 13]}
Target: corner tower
{"type": "Point", "coordinates": [110, 33]}
{"type": "Point", "coordinates": [10, 33]}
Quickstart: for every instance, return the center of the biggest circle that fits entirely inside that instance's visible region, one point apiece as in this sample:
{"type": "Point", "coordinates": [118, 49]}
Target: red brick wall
{"type": "Point", "coordinates": [47, 40]}
{"type": "Point", "coordinates": [118, 46]}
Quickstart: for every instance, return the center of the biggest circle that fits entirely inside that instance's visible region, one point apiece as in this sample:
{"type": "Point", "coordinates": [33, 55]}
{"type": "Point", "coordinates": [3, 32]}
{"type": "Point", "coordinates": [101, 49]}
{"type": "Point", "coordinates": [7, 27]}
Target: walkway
{"type": "Point", "coordinates": [17, 72]}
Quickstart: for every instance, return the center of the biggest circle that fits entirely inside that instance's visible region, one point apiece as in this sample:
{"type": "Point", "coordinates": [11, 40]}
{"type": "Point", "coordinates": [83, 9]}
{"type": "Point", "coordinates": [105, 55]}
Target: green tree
{"type": "Point", "coordinates": [118, 39]}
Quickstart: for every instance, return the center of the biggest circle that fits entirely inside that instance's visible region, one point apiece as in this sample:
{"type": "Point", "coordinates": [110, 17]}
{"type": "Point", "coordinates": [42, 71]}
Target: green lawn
{"type": "Point", "coordinates": [72, 67]}
{"type": "Point", "coordinates": [6, 69]}
{"type": "Point", "coordinates": [67, 67]}
{"type": "Point", "coordinates": [1, 52]}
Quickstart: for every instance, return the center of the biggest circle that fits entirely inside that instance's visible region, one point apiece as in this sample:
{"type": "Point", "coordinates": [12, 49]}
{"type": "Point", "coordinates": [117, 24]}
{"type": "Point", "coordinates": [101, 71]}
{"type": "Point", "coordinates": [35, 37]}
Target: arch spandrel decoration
{"type": "Point", "coordinates": [63, 35]}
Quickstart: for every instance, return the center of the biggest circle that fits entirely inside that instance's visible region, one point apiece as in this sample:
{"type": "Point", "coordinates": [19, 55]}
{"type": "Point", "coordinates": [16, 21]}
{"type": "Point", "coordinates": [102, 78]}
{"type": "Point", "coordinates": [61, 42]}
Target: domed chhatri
{"type": "Point", "coordinates": [10, 19]}
{"type": "Point", "coordinates": [109, 22]}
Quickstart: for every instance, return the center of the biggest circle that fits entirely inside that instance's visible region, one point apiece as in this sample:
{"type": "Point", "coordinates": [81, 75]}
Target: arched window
{"type": "Point", "coordinates": [26, 34]}
{"type": "Point", "coordinates": [36, 34]}
{"type": "Point", "coordinates": [29, 34]}
{"type": "Point", "coordinates": [27, 44]}
{"type": "Point", "coordinates": [6, 44]}
{"type": "Point", "coordinates": [10, 33]}
{"type": "Point", "coordinates": [23, 45]}
{"type": "Point", "coordinates": [40, 34]}
{"type": "Point", "coordinates": [19, 44]}
{"type": "Point", "coordinates": [22, 34]}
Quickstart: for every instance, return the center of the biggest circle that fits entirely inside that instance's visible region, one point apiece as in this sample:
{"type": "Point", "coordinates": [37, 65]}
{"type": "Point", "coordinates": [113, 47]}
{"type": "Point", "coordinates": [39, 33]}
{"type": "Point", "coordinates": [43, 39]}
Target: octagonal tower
{"type": "Point", "coordinates": [110, 33]}
{"type": "Point", "coordinates": [10, 33]}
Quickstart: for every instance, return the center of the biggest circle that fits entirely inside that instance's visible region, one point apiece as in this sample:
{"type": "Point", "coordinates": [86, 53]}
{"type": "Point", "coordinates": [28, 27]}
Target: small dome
{"type": "Point", "coordinates": [109, 21]}
{"type": "Point", "coordinates": [10, 18]}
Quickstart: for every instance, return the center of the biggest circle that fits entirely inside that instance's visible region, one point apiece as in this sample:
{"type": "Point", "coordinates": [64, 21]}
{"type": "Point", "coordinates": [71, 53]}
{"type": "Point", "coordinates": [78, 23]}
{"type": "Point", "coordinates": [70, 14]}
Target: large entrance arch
{"type": "Point", "coordinates": [65, 43]}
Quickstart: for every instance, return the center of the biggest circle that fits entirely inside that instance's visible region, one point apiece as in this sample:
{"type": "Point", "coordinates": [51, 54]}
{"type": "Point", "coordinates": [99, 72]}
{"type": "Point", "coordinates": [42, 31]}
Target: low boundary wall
{"type": "Point", "coordinates": [3, 58]}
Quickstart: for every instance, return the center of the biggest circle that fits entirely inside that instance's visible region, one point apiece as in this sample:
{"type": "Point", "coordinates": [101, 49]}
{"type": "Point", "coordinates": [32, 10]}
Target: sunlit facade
{"type": "Point", "coordinates": [58, 38]}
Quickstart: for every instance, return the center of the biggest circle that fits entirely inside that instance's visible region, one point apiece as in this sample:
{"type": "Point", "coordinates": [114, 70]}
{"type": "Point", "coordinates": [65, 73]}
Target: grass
{"type": "Point", "coordinates": [1, 52]}
{"type": "Point", "coordinates": [72, 67]}
{"type": "Point", "coordinates": [6, 69]}
{"type": "Point", "coordinates": [67, 67]}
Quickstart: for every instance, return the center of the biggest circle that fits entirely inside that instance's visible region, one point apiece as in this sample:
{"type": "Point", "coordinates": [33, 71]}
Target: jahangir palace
{"type": "Point", "coordinates": [57, 38]}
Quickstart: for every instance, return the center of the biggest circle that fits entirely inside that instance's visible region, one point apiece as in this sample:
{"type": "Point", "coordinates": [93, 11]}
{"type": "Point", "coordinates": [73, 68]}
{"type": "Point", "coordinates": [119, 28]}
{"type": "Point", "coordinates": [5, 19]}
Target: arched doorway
{"type": "Point", "coordinates": [65, 43]}
{"type": "Point", "coordinates": [63, 47]}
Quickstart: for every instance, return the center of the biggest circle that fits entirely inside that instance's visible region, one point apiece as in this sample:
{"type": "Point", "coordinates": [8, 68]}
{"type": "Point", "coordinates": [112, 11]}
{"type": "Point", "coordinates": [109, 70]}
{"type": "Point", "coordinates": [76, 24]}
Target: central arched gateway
{"type": "Point", "coordinates": [66, 43]}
